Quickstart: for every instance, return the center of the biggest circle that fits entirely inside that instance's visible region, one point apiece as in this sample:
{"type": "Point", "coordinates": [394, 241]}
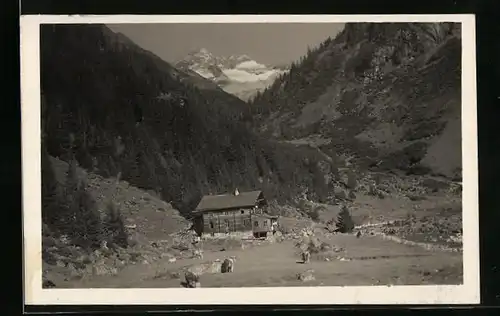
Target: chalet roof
{"type": "Point", "coordinates": [226, 201]}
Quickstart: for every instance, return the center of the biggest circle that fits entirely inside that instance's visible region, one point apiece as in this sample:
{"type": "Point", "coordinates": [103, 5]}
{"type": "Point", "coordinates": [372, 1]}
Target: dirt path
{"type": "Point", "coordinates": [372, 261]}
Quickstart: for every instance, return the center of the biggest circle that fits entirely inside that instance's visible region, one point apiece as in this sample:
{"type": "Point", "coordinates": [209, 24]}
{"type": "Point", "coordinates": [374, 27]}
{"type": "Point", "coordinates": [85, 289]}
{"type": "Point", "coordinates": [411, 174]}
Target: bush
{"type": "Point", "coordinates": [314, 214]}
{"type": "Point", "coordinates": [352, 181]}
{"type": "Point", "coordinates": [352, 195]}
{"type": "Point", "coordinates": [345, 224]}
{"type": "Point", "coordinates": [372, 190]}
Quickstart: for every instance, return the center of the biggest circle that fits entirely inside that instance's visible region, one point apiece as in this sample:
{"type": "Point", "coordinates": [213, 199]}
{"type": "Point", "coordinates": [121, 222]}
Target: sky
{"type": "Point", "coordinates": [268, 43]}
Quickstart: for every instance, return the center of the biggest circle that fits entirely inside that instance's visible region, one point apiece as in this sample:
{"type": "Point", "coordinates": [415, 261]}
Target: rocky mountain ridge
{"type": "Point", "coordinates": [236, 74]}
{"type": "Point", "coordinates": [386, 95]}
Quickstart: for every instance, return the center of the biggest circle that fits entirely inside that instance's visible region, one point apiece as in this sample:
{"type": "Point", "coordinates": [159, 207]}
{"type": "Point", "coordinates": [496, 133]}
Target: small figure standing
{"type": "Point", "coordinates": [306, 256]}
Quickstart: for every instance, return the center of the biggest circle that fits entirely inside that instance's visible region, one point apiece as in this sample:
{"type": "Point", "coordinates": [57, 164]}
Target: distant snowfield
{"type": "Point", "coordinates": [239, 75]}
{"type": "Point", "coordinates": [248, 71]}
{"type": "Point", "coordinates": [250, 64]}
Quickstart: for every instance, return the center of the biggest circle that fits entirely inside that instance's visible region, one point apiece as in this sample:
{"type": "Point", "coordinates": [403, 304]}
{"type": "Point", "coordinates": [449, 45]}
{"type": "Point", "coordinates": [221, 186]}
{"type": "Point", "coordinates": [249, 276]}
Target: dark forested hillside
{"type": "Point", "coordinates": [387, 94]}
{"type": "Point", "coordinates": [120, 109]}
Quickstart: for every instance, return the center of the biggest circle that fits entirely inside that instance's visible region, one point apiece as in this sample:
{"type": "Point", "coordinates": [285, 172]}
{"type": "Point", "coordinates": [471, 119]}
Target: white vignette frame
{"type": "Point", "coordinates": [466, 293]}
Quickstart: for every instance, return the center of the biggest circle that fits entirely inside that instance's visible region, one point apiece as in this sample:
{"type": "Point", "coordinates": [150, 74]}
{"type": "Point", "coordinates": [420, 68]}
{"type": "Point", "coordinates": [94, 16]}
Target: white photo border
{"type": "Point", "coordinates": [467, 293]}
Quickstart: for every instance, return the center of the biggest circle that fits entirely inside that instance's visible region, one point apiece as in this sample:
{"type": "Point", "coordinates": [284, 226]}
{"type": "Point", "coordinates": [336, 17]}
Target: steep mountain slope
{"type": "Point", "coordinates": [119, 109]}
{"type": "Point", "coordinates": [237, 74]}
{"type": "Point", "coordinates": [187, 76]}
{"type": "Point", "coordinates": [386, 94]}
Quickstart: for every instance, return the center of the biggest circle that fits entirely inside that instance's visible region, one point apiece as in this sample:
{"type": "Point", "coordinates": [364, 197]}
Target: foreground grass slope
{"type": "Point", "coordinates": [363, 261]}
{"type": "Point", "coordinates": [387, 94]}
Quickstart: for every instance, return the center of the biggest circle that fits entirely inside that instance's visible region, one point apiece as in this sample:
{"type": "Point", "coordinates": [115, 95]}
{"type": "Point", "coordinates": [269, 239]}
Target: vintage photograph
{"type": "Point", "coordinates": [240, 155]}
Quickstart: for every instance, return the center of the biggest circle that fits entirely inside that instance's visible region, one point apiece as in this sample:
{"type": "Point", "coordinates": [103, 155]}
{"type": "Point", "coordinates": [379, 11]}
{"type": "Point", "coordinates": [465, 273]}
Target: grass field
{"type": "Point", "coordinates": [369, 260]}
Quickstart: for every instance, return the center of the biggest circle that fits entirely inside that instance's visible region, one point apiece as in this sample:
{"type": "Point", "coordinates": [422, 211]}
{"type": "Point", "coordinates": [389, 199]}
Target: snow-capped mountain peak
{"type": "Point", "coordinates": [236, 74]}
{"type": "Point", "coordinates": [199, 57]}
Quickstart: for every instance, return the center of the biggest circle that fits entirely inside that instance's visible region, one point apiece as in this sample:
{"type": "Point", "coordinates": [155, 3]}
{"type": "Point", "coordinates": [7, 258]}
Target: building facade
{"type": "Point", "coordinates": [263, 224]}
{"type": "Point", "coordinates": [226, 214]}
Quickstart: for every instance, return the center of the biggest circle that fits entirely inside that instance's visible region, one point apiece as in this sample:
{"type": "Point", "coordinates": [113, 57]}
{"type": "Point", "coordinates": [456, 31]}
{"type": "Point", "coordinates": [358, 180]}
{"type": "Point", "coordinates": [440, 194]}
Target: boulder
{"type": "Point", "coordinates": [306, 276]}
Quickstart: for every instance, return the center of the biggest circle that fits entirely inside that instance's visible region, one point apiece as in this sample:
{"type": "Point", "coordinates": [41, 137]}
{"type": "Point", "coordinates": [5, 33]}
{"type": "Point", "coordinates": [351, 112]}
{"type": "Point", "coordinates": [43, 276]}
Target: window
{"type": "Point", "coordinates": [246, 222]}
{"type": "Point", "coordinates": [256, 224]}
{"type": "Point", "coordinates": [212, 225]}
{"type": "Point", "coordinates": [265, 223]}
{"type": "Point", "coordinates": [242, 211]}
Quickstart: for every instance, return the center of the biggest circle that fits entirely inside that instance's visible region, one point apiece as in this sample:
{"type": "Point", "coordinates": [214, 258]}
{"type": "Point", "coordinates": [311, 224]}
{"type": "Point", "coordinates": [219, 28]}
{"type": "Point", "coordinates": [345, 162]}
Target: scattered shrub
{"type": "Point", "coordinates": [373, 191]}
{"type": "Point", "coordinates": [340, 195]}
{"type": "Point", "coordinates": [416, 197]}
{"type": "Point", "coordinates": [434, 185]}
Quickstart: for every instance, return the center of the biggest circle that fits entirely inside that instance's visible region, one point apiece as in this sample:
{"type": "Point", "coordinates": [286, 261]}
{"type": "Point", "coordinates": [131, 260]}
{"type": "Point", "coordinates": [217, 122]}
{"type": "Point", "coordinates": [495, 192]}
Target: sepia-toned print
{"type": "Point", "coordinates": [203, 156]}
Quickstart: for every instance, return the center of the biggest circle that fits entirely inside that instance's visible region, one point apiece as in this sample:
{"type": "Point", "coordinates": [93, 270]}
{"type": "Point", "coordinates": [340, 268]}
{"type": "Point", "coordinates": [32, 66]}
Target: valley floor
{"type": "Point", "coordinates": [368, 260]}
{"type": "Point", "coordinates": [372, 259]}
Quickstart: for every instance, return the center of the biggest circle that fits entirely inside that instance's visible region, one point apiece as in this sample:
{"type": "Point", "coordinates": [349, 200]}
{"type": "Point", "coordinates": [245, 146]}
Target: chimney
{"type": "Point", "coordinates": [236, 192]}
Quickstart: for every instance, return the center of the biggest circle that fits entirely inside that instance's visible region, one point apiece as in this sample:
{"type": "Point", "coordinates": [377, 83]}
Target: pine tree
{"type": "Point", "coordinates": [69, 202]}
{"type": "Point", "coordinates": [80, 217]}
{"type": "Point", "coordinates": [114, 227]}
{"type": "Point", "coordinates": [345, 224]}
{"type": "Point", "coordinates": [88, 224]}
{"type": "Point", "coordinates": [50, 197]}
